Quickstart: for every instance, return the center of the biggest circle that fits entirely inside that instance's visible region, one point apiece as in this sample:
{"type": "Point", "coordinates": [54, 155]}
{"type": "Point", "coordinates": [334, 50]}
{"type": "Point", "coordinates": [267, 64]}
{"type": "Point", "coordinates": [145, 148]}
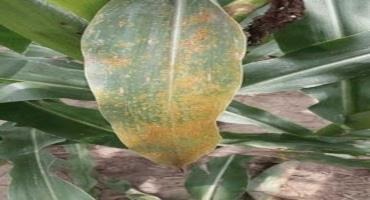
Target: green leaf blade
{"type": "Point", "coordinates": [31, 177]}
{"type": "Point", "coordinates": [47, 25]}
{"type": "Point", "coordinates": [83, 8]}
{"type": "Point", "coordinates": [224, 178]}
{"type": "Point", "coordinates": [73, 123]}
{"type": "Point", "coordinates": [313, 66]}
{"type": "Point", "coordinates": [35, 78]}
{"type": "Point", "coordinates": [266, 120]}
{"type": "Point", "coordinates": [13, 40]}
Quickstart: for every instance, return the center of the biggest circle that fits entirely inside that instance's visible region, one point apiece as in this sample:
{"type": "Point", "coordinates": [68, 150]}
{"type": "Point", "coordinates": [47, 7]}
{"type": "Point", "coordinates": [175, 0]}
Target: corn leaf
{"type": "Point", "coordinates": [222, 178]}
{"type": "Point", "coordinates": [265, 119]}
{"type": "Point", "coordinates": [355, 146]}
{"type": "Point", "coordinates": [31, 176]}
{"type": "Point", "coordinates": [45, 24]}
{"type": "Point", "coordinates": [316, 65]}
{"type": "Point", "coordinates": [83, 8]}
{"type": "Point", "coordinates": [73, 123]}
{"type": "Point", "coordinates": [13, 40]}
{"type": "Point", "coordinates": [164, 79]}
{"type": "Point", "coordinates": [35, 78]}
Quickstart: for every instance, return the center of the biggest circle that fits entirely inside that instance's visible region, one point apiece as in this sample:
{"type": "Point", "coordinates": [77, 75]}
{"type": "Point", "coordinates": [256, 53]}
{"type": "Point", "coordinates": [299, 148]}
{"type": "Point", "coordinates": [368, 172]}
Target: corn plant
{"type": "Point", "coordinates": [162, 73]}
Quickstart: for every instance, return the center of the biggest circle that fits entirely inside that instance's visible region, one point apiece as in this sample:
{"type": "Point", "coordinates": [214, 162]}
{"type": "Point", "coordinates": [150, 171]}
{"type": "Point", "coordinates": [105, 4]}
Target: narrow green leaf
{"type": "Point", "coordinates": [341, 151]}
{"type": "Point", "coordinates": [360, 134]}
{"type": "Point", "coordinates": [266, 120]}
{"type": "Point", "coordinates": [35, 50]}
{"type": "Point", "coordinates": [83, 8]}
{"type": "Point", "coordinates": [13, 40]}
{"type": "Point", "coordinates": [31, 177]}
{"type": "Point", "coordinates": [313, 66]}
{"type": "Point", "coordinates": [45, 24]}
{"type": "Point", "coordinates": [312, 143]}
{"type": "Point", "coordinates": [73, 123]}
{"type": "Point", "coordinates": [34, 78]}
{"type": "Point", "coordinates": [331, 130]}
{"type": "Point", "coordinates": [223, 178]}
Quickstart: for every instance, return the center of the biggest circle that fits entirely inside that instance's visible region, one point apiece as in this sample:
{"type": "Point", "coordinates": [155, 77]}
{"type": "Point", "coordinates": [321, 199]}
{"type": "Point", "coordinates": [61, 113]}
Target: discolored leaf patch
{"type": "Point", "coordinates": [162, 71]}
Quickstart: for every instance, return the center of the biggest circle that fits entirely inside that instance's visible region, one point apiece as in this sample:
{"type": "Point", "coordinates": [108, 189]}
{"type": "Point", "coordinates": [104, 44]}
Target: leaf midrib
{"type": "Point", "coordinates": [40, 166]}
{"type": "Point", "coordinates": [67, 117]}
{"type": "Point", "coordinates": [213, 187]}
{"type": "Point", "coordinates": [174, 45]}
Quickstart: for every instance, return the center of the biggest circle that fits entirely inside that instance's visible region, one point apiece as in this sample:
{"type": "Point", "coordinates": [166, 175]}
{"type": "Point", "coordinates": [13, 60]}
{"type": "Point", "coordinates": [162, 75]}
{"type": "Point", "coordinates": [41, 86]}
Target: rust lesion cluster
{"type": "Point", "coordinates": [177, 146]}
{"type": "Point", "coordinates": [203, 17]}
{"type": "Point", "coordinates": [113, 62]}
